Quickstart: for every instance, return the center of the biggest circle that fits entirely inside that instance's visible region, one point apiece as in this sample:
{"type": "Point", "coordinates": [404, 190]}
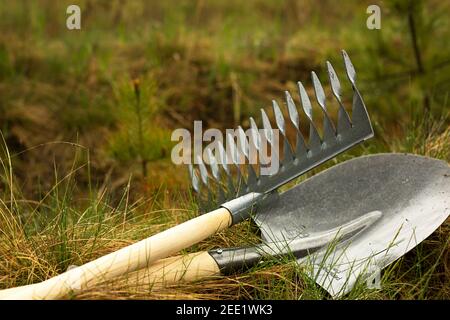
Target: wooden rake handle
{"type": "Point", "coordinates": [128, 259]}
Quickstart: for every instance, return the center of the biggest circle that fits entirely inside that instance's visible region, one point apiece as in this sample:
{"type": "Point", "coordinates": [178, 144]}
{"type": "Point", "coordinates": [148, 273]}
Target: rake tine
{"type": "Point", "coordinates": [242, 142]}
{"type": "Point", "coordinates": [194, 179]}
{"type": "Point", "coordinates": [204, 179]}
{"type": "Point", "coordinates": [267, 127]}
{"type": "Point", "coordinates": [279, 119]}
{"type": "Point", "coordinates": [203, 171]}
{"type": "Point", "coordinates": [349, 68]}
{"type": "Point", "coordinates": [257, 141]}
{"type": "Point", "coordinates": [344, 122]}
{"type": "Point", "coordinates": [241, 184]}
{"type": "Point", "coordinates": [359, 111]}
{"type": "Point", "coordinates": [329, 132]}
{"type": "Point", "coordinates": [292, 110]}
{"type": "Point", "coordinates": [216, 175]}
{"type": "Point", "coordinates": [256, 138]}
{"type": "Point", "coordinates": [244, 145]}
{"type": "Point", "coordinates": [314, 142]}
{"type": "Point", "coordinates": [213, 165]}
{"type": "Point", "coordinates": [300, 148]}
{"type": "Point", "coordinates": [223, 159]}
{"type": "Point", "coordinates": [233, 151]}
{"type": "Point", "coordinates": [202, 204]}
{"type": "Point", "coordinates": [268, 134]}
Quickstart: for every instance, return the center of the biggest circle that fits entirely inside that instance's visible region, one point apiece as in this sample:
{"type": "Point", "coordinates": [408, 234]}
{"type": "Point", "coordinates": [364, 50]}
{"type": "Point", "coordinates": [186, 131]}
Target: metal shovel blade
{"type": "Point", "coordinates": [412, 193]}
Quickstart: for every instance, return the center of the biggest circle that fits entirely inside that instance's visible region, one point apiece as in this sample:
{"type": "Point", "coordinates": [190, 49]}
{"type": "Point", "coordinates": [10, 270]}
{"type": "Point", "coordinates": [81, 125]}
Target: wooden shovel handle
{"type": "Point", "coordinates": [128, 259]}
{"type": "Point", "coordinates": [182, 268]}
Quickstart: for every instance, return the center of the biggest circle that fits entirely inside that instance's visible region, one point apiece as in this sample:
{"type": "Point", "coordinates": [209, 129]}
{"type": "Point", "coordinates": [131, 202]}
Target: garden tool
{"type": "Point", "coordinates": [413, 194]}
{"type": "Point", "coordinates": [342, 225]}
{"type": "Point", "coordinates": [247, 190]}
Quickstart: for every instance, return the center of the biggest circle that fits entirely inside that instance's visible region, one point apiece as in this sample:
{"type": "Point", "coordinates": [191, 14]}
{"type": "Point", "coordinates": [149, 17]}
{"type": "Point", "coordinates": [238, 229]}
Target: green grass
{"type": "Point", "coordinates": [73, 185]}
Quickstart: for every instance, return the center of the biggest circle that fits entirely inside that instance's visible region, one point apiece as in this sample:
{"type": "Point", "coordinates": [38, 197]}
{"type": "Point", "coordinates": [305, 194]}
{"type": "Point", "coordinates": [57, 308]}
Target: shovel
{"type": "Point", "coordinates": [412, 192]}
{"type": "Point", "coordinates": [345, 224]}
{"type": "Point", "coordinates": [243, 194]}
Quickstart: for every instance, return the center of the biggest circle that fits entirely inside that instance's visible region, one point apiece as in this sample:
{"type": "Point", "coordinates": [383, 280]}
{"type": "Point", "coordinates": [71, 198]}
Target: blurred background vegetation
{"type": "Point", "coordinates": [98, 104]}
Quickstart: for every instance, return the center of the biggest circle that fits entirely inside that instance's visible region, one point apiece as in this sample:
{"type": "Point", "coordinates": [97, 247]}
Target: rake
{"type": "Point", "coordinates": [245, 191]}
{"type": "Point", "coordinates": [212, 188]}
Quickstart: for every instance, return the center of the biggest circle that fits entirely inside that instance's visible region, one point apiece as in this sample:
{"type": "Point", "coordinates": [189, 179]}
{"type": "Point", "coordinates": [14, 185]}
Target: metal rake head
{"type": "Point", "coordinates": [222, 175]}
